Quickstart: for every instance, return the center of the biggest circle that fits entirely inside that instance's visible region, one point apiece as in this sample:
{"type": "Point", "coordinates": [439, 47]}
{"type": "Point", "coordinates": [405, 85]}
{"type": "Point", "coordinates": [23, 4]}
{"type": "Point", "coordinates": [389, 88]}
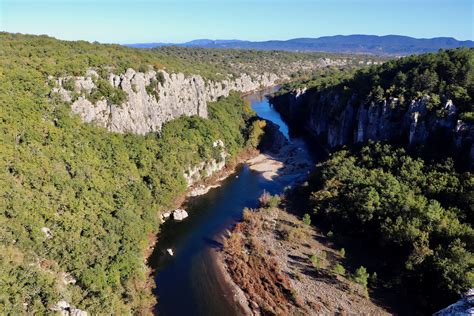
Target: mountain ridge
{"type": "Point", "coordinates": [355, 43]}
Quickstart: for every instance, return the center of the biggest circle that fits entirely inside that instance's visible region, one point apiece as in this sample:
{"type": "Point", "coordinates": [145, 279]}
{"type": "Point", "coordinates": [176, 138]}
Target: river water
{"type": "Point", "coordinates": [187, 283]}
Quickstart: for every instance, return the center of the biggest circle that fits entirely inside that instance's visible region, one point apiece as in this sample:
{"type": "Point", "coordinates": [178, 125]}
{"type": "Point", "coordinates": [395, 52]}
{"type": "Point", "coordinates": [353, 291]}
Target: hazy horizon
{"type": "Point", "coordinates": [145, 21]}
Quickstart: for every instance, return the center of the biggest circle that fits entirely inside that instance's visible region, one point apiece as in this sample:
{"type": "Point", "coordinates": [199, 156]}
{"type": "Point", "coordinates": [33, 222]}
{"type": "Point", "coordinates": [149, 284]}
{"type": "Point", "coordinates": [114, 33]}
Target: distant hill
{"type": "Point", "coordinates": [360, 44]}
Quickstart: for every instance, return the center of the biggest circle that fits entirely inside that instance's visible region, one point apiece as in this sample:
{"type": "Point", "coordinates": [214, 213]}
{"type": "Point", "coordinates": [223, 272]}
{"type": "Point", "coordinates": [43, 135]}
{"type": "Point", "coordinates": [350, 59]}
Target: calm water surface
{"type": "Point", "coordinates": [187, 283]}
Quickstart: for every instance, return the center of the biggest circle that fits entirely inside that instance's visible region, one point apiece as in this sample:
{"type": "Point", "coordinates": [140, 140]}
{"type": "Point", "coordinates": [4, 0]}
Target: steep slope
{"type": "Point", "coordinates": [80, 205]}
{"type": "Point", "coordinates": [419, 102]}
{"type": "Point", "coordinates": [396, 187]}
{"type": "Point", "coordinates": [149, 103]}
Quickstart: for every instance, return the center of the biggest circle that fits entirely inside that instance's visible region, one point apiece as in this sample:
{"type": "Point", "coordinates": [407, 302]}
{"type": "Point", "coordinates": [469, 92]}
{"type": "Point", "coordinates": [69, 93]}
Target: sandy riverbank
{"type": "Point", "coordinates": [292, 161]}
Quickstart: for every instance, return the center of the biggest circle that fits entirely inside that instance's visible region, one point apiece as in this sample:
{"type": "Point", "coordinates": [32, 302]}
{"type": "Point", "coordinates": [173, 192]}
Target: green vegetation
{"type": "Point", "coordinates": [307, 219]}
{"type": "Point", "coordinates": [103, 90]}
{"type": "Point", "coordinates": [317, 263]}
{"type": "Point", "coordinates": [418, 216]}
{"type": "Point", "coordinates": [448, 74]}
{"type": "Point", "coordinates": [339, 269]}
{"type": "Point", "coordinates": [342, 253]}
{"type": "Point", "coordinates": [60, 58]}
{"type": "Point", "coordinates": [361, 277]}
{"type": "Point", "coordinates": [214, 63]}
{"type": "Point", "coordinates": [267, 200]}
{"type": "Point", "coordinates": [76, 198]}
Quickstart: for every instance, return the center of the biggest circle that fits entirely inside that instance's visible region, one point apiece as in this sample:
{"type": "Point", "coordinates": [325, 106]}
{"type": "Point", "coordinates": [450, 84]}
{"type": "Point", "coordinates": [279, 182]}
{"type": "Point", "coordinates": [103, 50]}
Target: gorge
{"type": "Point", "coordinates": [100, 143]}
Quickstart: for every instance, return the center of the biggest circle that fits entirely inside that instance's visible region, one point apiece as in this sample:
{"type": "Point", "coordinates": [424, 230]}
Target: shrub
{"type": "Point", "coordinates": [467, 117]}
{"type": "Point", "coordinates": [294, 234]}
{"type": "Point", "coordinates": [160, 78]}
{"type": "Point", "coordinates": [274, 201]}
{"type": "Point", "coordinates": [339, 269]}
{"type": "Point", "coordinates": [317, 263]}
{"type": "Point", "coordinates": [152, 89]}
{"type": "Point", "coordinates": [373, 279]}
{"type": "Point", "coordinates": [307, 219]}
{"type": "Point", "coordinates": [342, 253]}
{"type": "Point", "coordinates": [104, 90]}
{"type": "Point", "coordinates": [69, 84]}
{"type": "Point", "coordinates": [264, 198]}
{"type": "Point", "coordinates": [268, 200]}
{"type": "Point", "coordinates": [361, 276]}
{"type": "Point", "coordinates": [256, 133]}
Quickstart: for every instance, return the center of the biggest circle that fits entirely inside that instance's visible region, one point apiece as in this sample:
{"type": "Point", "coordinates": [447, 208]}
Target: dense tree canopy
{"type": "Point", "coordinates": [417, 215]}
{"type": "Point", "coordinates": [77, 199]}
{"type": "Point", "coordinates": [448, 74]}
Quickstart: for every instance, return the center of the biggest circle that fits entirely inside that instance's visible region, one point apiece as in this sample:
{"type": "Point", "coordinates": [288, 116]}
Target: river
{"type": "Point", "coordinates": [187, 283]}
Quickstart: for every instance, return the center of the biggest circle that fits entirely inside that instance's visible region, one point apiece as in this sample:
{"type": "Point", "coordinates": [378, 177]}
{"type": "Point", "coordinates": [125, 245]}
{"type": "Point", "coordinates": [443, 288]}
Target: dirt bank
{"type": "Point", "coordinates": [284, 266]}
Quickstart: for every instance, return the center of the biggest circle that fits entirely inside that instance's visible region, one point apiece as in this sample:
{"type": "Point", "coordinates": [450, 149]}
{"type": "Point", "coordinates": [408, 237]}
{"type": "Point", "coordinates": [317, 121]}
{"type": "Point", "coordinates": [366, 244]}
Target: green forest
{"type": "Point", "coordinates": [447, 74]}
{"type": "Point", "coordinates": [412, 211]}
{"type": "Point", "coordinates": [51, 57]}
{"type": "Point", "coordinates": [415, 217]}
{"type": "Point", "coordinates": [76, 198]}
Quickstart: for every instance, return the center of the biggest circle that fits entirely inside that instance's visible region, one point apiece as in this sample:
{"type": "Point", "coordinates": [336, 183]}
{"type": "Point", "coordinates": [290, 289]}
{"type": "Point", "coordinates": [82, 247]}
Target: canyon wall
{"type": "Point", "coordinates": [336, 122]}
{"type": "Point", "coordinates": [176, 95]}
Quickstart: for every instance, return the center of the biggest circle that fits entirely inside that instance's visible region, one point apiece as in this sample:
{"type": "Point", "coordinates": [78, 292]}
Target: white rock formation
{"type": "Point", "coordinates": [201, 190]}
{"type": "Point", "coordinates": [47, 232]}
{"type": "Point", "coordinates": [179, 214]}
{"type": "Point", "coordinates": [142, 113]}
{"type": "Point", "coordinates": [68, 278]}
{"type": "Point", "coordinates": [65, 309]}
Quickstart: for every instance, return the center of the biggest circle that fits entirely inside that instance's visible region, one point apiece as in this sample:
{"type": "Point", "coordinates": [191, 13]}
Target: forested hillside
{"type": "Point", "coordinates": [444, 75]}
{"type": "Point", "coordinates": [58, 58]}
{"type": "Point", "coordinates": [397, 185]}
{"type": "Point", "coordinates": [78, 204]}
{"type": "Point", "coordinates": [423, 102]}
{"type": "Point", "coordinates": [415, 217]}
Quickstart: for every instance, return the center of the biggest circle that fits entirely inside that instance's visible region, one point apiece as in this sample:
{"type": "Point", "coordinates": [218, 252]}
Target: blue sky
{"type": "Point", "coordinates": [129, 21]}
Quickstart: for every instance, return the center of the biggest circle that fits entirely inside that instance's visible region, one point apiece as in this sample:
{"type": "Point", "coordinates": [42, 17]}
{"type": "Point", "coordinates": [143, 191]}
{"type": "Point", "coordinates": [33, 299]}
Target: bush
{"type": "Point", "coordinates": [294, 234]}
{"type": "Point", "coordinates": [274, 201]}
{"type": "Point", "coordinates": [467, 117]}
{"type": "Point", "coordinates": [361, 276]}
{"type": "Point", "coordinates": [160, 78]}
{"type": "Point", "coordinates": [317, 262]}
{"type": "Point", "coordinates": [307, 219]}
{"type": "Point", "coordinates": [269, 201]}
{"type": "Point", "coordinates": [339, 269]}
{"type": "Point", "coordinates": [152, 89]}
{"type": "Point", "coordinates": [104, 90]}
{"type": "Point", "coordinates": [342, 253]}
{"type": "Point", "coordinates": [69, 84]}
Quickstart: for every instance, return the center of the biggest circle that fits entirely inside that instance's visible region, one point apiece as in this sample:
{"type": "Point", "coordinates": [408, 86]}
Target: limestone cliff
{"type": "Point", "coordinates": [336, 122]}
{"type": "Point", "coordinates": [176, 95]}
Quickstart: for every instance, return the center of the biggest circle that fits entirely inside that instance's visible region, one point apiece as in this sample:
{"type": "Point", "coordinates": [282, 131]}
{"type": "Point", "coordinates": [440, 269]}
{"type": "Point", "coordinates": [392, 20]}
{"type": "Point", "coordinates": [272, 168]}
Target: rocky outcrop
{"type": "Point", "coordinates": [463, 307]}
{"type": "Point", "coordinates": [273, 139]}
{"type": "Point", "coordinates": [175, 95]}
{"type": "Point", "coordinates": [63, 308]}
{"type": "Point", "coordinates": [179, 214]}
{"type": "Point", "coordinates": [206, 169]}
{"type": "Point", "coordinates": [335, 122]}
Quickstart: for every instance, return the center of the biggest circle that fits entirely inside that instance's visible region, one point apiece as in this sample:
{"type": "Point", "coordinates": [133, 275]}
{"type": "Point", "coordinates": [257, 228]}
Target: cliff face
{"type": "Point", "coordinates": [337, 123]}
{"type": "Point", "coordinates": [175, 96]}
